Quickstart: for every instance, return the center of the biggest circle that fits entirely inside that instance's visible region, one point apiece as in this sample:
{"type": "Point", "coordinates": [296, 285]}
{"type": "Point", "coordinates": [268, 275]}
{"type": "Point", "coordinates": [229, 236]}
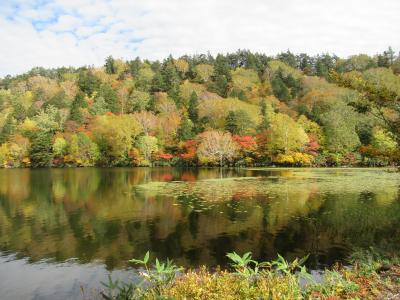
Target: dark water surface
{"type": "Point", "coordinates": [61, 229]}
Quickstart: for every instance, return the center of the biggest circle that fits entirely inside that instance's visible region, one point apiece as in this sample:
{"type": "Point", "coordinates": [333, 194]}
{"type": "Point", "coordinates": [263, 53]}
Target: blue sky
{"type": "Point", "coordinates": [54, 33]}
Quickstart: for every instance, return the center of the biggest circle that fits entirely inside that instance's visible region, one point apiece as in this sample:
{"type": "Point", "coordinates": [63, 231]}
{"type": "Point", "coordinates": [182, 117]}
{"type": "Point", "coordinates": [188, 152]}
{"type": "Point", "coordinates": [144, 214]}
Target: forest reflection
{"type": "Point", "coordinates": [196, 216]}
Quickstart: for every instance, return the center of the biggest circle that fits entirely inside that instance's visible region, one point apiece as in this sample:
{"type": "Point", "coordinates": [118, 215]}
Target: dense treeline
{"type": "Point", "coordinates": [237, 109]}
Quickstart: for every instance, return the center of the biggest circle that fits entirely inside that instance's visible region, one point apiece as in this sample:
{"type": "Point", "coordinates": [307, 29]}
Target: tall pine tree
{"type": "Point", "coordinates": [41, 149]}
{"type": "Point", "coordinates": [185, 130]}
{"type": "Point", "coordinates": [193, 109]}
{"type": "Point", "coordinates": [110, 65]}
{"type": "Point", "coordinates": [78, 103]}
{"type": "Point", "coordinates": [264, 114]}
{"type": "Point", "coordinates": [8, 128]}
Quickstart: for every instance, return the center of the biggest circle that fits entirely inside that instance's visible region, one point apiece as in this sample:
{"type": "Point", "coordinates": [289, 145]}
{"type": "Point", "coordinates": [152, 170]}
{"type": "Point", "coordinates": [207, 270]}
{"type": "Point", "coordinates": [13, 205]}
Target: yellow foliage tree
{"type": "Point", "coordinates": [115, 134]}
{"type": "Point", "coordinates": [285, 135]}
{"type": "Point", "coordinates": [294, 158]}
{"type": "Point", "coordinates": [216, 110]}
{"type": "Point", "coordinates": [187, 88]}
{"type": "Point", "coordinates": [204, 72]}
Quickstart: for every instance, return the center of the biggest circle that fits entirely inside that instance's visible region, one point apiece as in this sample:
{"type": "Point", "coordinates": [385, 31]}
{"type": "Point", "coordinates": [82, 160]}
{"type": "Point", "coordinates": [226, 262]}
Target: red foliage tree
{"type": "Point", "coordinates": [313, 146]}
{"type": "Point", "coordinates": [190, 147]}
{"type": "Point", "coordinates": [247, 147]}
{"type": "Point", "coordinates": [246, 143]}
{"type": "Point", "coordinates": [165, 156]}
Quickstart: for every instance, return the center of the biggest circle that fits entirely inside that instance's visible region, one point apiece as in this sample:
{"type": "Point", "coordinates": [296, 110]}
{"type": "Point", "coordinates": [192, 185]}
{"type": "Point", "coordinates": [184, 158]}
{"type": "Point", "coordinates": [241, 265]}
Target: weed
{"type": "Point", "coordinates": [250, 279]}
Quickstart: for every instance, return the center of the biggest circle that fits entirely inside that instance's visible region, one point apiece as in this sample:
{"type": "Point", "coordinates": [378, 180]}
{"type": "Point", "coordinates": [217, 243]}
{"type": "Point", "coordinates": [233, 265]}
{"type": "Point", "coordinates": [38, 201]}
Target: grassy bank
{"type": "Point", "coordinates": [368, 276]}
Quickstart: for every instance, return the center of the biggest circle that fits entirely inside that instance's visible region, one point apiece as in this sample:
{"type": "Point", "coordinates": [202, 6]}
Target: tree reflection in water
{"type": "Point", "coordinates": [195, 216]}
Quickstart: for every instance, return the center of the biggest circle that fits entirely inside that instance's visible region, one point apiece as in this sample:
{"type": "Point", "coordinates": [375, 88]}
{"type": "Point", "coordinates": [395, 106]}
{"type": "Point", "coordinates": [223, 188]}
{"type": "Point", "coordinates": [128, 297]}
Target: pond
{"type": "Point", "coordinates": [64, 230]}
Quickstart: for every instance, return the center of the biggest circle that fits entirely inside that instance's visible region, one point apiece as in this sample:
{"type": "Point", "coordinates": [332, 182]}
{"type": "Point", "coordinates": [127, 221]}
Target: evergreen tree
{"type": "Point", "coordinates": [386, 59]}
{"type": "Point", "coordinates": [78, 103]}
{"type": "Point", "coordinates": [152, 104]}
{"type": "Point", "coordinates": [19, 111]}
{"type": "Point", "coordinates": [110, 65]}
{"type": "Point", "coordinates": [59, 100]}
{"type": "Point", "coordinates": [305, 64]}
{"type": "Point", "coordinates": [238, 93]}
{"type": "Point", "coordinates": [193, 109]}
{"type": "Point", "coordinates": [231, 123]}
{"type": "Point", "coordinates": [191, 73]}
{"type": "Point", "coordinates": [293, 84]}
{"type": "Point", "coordinates": [382, 61]}
{"type": "Point", "coordinates": [203, 123]}
{"type": "Point", "coordinates": [157, 83]}
{"type": "Point", "coordinates": [390, 56]}
{"type": "Point", "coordinates": [280, 89]}
{"type": "Point", "coordinates": [289, 58]}
{"type": "Point", "coordinates": [222, 75]}
{"type": "Point", "coordinates": [88, 82]}
{"type": "Point", "coordinates": [243, 122]}
{"type": "Point", "coordinates": [8, 128]}
{"type": "Point", "coordinates": [221, 85]}
{"type": "Point", "coordinates": [134, 66]}
{"type": "Point", "coordinates": [185, 130]}
{"type": "Point", "coordinates": [110, 97]}
{"type": "Point", "coordinates": [265, 121]}
{"type": "Point", "coordinates": [324, 64]}
{"type": "Point", "coordinates": [238, 122]}
{"type": "Point", "coordinates": [222, 68]}
{"type": "Point", "coordinates": [155, 65]}
{"type": "Point", "coordinates": [170, 75]}
{"type": "Point", "coordinates": [175, 94]}
{"type": "Point", "coordinates": [41, 149]}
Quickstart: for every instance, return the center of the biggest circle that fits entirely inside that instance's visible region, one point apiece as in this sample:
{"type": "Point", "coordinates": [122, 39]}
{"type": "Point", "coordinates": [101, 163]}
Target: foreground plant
{"type": "Point", "coordinates": [250, 279]}
{"type": "Point", "coordinates": [151, 280]}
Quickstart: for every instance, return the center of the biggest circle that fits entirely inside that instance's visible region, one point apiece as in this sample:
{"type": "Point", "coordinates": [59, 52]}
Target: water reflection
{"type": "Point", "coordinates": [196, 216]}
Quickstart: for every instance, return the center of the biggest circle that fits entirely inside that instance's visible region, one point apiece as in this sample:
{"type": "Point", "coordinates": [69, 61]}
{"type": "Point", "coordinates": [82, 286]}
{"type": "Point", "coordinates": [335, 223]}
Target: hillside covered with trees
{"type": "Point", "coordinates": [239, 109]}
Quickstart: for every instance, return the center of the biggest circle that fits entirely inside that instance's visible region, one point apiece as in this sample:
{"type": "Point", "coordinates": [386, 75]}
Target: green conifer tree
{"type": "Point", "coordinates": [41, 149]}
{"type": "Point", "coordinates": [193, 109]}
{"type": "Point", "coordinates": [110, 65]}
{"type": "Point", "coordinates": [185, 130]}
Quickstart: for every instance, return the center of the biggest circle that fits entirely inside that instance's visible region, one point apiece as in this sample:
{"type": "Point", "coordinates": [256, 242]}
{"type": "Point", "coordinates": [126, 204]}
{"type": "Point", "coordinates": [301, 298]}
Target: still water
{"type": "Point", "coordinates": [62, 230]}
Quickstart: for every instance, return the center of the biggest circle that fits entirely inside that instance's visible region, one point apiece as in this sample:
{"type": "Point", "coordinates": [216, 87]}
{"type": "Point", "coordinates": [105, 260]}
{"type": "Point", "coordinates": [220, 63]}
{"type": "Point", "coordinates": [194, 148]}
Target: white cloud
{"type": "Point", "coordinates": [86, 31]}
{"type": "Point", "coordinates": [66, 23]}
{"type": "Point", "coordinates": [78, 32]}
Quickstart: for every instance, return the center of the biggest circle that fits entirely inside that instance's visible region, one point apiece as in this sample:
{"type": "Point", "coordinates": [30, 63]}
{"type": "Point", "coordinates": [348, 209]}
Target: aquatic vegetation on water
{"type": "Point", "coordinates": [111, 215]}
{"type": "Point", "coordinates": [273, 181]}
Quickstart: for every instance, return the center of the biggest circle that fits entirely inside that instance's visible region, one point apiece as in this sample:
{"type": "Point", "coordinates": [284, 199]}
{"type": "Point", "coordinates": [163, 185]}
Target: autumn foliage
{"type": "Point", "coordinates": [240, 109]}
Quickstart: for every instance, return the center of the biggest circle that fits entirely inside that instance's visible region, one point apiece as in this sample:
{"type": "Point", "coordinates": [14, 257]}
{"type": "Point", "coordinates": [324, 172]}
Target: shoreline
{"type": "Point", "coordinates": [211, 167]}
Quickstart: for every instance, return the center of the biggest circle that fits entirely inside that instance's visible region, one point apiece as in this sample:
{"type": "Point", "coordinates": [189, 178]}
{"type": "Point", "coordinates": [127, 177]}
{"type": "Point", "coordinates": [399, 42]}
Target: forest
{"type": "Point", "coordinates": [235, 109]}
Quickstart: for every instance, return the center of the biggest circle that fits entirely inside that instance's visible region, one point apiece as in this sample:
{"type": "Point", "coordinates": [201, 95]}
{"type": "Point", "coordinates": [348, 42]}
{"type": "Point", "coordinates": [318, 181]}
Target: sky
{"type": "Point", "coordinates": [55, 33]}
